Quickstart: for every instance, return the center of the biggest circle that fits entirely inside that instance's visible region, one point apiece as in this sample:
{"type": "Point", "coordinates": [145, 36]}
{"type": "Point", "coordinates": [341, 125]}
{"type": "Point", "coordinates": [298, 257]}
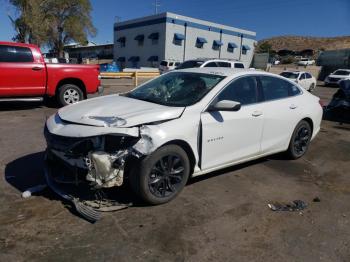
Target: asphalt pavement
{"type": "Point", "coordinates": [223, 216]}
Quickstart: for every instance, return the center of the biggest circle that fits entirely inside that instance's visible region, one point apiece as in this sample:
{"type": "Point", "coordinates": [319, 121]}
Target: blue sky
{"type": "Point", "coordinates": [266, 17]}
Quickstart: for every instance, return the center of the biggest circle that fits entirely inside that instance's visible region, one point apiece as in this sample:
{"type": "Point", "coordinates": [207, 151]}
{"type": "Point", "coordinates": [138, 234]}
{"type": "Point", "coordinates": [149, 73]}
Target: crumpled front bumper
{"type": "Point", "coordinates": [85, 203]}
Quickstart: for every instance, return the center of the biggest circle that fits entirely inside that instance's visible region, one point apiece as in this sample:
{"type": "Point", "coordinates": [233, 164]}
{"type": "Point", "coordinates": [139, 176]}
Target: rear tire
{"type": "Point", "coordinates": [312, 87]}
{"type": "Point", "coordinates": [69, 94]}
{"type": "Point", "coordinates": [299, 143]}
{"type": "Point", "coordinates": [161, 176]}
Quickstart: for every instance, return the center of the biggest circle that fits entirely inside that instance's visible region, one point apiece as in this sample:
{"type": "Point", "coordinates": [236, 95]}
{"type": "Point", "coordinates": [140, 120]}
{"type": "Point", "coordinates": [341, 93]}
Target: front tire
{"type": "Point", "coordinates": [69, 94]}
{"type": "Point", "coordinates": [300, 140]}
{"type": "Point", "coordinates": [161, 176]}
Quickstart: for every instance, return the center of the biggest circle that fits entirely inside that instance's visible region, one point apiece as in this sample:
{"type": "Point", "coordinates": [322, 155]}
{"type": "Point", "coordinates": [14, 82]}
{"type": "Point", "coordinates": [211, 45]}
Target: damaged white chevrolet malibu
{"type": "Point", "coordinates": [179, 125]}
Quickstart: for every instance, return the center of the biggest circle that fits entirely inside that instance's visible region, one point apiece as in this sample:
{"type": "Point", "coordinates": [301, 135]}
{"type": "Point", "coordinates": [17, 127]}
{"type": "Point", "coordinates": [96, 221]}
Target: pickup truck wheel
{"type": "Point", "coordinates": [69, 94]}
{"type": "Point", "coordinates": [161, 176]}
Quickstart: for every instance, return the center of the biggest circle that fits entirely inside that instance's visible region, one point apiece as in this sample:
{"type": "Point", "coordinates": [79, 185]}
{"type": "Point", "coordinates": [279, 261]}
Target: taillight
{"type": "Point", "coordinates": [321, 103]}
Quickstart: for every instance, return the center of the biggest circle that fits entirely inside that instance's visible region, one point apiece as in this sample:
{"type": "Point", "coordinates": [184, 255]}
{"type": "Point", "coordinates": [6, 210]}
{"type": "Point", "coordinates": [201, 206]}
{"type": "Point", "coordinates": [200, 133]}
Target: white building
{"type": "Point", "coordinates": [148, 40]}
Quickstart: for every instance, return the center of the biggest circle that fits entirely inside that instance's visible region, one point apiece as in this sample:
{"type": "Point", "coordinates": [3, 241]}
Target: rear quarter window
{"type": "Point", "coordinates": [275, 88]}
{"type": "Point", "coordinates": [15, 54]}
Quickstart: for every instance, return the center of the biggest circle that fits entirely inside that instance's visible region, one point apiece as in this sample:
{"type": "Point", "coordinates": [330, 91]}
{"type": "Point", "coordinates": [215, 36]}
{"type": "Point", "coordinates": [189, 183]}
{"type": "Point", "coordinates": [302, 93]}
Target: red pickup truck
{"type": "Point", "coordinates": [25, 76]}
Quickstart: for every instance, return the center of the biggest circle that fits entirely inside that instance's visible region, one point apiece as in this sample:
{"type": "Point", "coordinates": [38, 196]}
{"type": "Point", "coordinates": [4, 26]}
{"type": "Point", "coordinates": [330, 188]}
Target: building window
{"type": "Point", "coordinates": [245, 49]}
{"type": "Point", "coordinates": [140, 39]}
{"type": "Point", "coordinates": [122, 41]}
{"type": "Point", "coordinates": [217, 44]}
{"type": "Point", "coordinates": [231, 47]}
{"type": "Point", "coordinates": [200, 42]}
{"type": "Point", "coordinates": [154, 38]}
{"type": "Point", "coordinates": [178, 38]}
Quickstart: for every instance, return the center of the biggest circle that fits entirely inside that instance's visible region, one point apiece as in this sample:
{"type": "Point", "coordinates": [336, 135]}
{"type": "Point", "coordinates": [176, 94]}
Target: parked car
{"type": "Point", "coordinates": [167, 65]}
{"type": "Point", "coordinates": [25, 76]}
{"type": "Point", "coordinates": [304, 79]}
{"type": "Point", "coordinates": [210, 63]}
{"type": "Point", "coordinates": [338, 75]}
{"type": "Point", "coordinates": [182, 124]}
{"type": "Point", "coordinates": [306, 62]}
{"type": "Point", "coordinates": [276, 62]}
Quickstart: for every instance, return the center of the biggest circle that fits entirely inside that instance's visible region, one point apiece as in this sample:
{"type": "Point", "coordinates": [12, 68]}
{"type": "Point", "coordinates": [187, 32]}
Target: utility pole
{"type": "Point", "coordinates": [156, 5]}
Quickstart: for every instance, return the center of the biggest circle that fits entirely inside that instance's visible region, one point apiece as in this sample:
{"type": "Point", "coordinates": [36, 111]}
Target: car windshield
{"type": "Point", "coordinates": [341, 73]}
{"type": "Point", "coordinates": [190, 64]}
{"type": "Point", "coordinates": [290, 75]}
{"type": "Point", "coordinates": [176, 88]}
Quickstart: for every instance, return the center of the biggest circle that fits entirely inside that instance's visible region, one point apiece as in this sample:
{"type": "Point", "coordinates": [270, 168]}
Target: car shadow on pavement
{"type": "Point", "coordinates": [16, 106]}
{"type": "Point", "coordinates": [230, 169]}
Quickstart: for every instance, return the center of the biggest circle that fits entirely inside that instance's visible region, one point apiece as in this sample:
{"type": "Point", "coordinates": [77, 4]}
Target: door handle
{"type": "Point", "coordinates": [257, 113]}
{"type": "Point", "coordinates": [293, 106]}
{"type": "Point", "coordinates": [36, 68]}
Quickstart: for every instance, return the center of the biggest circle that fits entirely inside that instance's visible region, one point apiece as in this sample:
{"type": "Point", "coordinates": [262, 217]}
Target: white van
{"type": "Point", "coordinates": [167, 65]}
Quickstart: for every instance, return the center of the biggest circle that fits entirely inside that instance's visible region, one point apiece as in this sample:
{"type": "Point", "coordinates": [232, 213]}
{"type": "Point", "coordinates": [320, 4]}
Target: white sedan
{"type": "Point", "coordinates": [182, 124]}
{"type": "Point", "coordinates": [304, 79]}
{"type": "Point", "coordinates": [306, 62]}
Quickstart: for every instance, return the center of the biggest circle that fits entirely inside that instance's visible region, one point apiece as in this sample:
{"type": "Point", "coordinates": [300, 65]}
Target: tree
{"type": "Point", "coordinates": [54, 23]}
{"type": "Point", "coordinates": [69, 20]}
{"type": "Point", "coordinates": [264, 47]}
{"type": "Point", "coordinates": [31, 24]}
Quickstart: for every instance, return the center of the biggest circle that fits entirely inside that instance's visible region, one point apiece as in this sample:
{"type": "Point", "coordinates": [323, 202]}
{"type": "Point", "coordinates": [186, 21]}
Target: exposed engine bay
{"type": "Point", "coordinates": [101, 158]}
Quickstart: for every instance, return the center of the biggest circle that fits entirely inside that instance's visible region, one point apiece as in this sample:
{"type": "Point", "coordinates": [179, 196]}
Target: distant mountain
{"type": "Point", "coordinates": [299, 43]}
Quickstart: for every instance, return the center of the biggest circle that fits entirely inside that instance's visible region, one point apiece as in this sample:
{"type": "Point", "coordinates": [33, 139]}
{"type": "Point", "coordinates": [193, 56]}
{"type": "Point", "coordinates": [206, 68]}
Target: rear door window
{"type": "Point", "coordinates": [302, 77]}
{"type": "Point", "coordinates": [190, 64]}
{"type": "Point", "coordinates": [239, 65]}
{"type": "Point", "coordinates": [223, 64]}
{"type": "Point", "coordinates": [211, 64]}
{"type": "Point", "coordinates": [275, 88]}
{"type": "Point", "coordinates": [15, 54]}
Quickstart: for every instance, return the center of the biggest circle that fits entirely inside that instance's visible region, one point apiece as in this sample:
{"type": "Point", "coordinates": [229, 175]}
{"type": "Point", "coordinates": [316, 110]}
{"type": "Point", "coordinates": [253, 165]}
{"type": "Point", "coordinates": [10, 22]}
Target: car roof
{"type": "Point", "coordinates": [343, 70]}
{"type": "Point", "coordinates": [224, 71]}
{"type": "Point", "coordinates": [17, 44]}
{"type": "Point", "coordinates": [295, 71]}
{"type": "Point", "coordinates": [213, 59]}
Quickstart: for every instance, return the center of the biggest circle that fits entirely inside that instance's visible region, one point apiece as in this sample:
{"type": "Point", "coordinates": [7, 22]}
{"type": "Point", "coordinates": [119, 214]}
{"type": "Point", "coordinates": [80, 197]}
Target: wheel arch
{"type": "Point", "coordinates": [310, 122]}
{"type": "Point", "coordinates": [74, 81]}
{"type": "Point", "coordinates": [187, 148]}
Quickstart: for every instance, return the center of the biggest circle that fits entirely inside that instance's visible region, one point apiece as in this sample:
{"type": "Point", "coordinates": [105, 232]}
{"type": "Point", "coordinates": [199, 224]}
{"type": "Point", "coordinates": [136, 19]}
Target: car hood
{"type": "Point", "coordinates": [117, 111]}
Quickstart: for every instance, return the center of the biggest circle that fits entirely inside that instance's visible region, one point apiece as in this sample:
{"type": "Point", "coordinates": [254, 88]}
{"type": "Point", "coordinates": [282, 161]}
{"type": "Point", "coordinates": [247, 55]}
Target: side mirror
{"type": "Point", "coordinates": [225, 105]}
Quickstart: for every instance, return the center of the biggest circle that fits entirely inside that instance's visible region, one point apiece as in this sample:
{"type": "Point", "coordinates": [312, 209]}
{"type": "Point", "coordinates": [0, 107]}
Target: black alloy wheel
{"type": "Point", "coordinates": [300, 140]}
{"type": "Point", "coordinates": [166, 176]}
{"type": "Point", "coordinates": [160, 176]}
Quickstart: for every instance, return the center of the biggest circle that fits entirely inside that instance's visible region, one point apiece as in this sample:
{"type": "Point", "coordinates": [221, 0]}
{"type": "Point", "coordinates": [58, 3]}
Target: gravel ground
{"type": "Point", "coordinates": [222, 216]}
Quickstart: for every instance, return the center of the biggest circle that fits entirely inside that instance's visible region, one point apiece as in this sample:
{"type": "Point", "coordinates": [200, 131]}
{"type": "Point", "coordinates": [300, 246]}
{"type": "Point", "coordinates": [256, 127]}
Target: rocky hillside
{"type": "Point", "coordinates": [298, 43]}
